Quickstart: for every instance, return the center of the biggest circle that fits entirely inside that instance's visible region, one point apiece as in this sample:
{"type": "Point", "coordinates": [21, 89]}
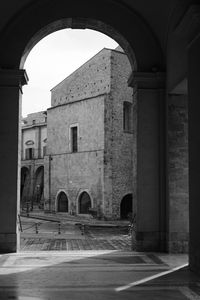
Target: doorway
{"type": "Point", "coordinates": [62, 201]}
{"type": "Point", "coordinates": [126, 206]}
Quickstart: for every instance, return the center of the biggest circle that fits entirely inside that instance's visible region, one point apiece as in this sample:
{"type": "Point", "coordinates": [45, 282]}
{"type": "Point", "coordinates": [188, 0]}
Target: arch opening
{"type": "Point", "coordinates": [126, 206]}
{"type": "Point", "coordinates": [84, 203]}
{"type": "Point", "coordinates": [25, 186]}
{"type": "Point", "coordinates": [38, 196]}
{"type": "Point", "coordinates": [76, 23]}
{"type": "Point", "coordinates": [62, 202]}
{"type": "Point", "coordinates": [73, 23]}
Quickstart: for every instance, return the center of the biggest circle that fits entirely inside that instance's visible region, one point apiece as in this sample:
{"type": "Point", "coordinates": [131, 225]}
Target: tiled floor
{"type": "Point", "coordinates": [103, 274]}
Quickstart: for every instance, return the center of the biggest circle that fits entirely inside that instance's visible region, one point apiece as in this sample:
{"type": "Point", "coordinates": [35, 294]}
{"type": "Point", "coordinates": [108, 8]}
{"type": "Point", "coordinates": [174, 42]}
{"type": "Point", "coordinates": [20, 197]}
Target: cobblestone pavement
{"type": "Point", "coordinates": [43, 244]}
{"type": "Point", "coordinates": [45, 235]}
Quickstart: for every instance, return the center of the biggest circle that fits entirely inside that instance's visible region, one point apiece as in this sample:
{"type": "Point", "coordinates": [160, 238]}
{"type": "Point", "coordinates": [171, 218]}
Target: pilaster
{"type": "Point", "coordinates": [11, 82]}
{"type": "Point", "coordinates": [150, 177]}
{"type": "Point", "coordinates": [189, 29]}
{"type": "Point", "coordinates": [194, 153]}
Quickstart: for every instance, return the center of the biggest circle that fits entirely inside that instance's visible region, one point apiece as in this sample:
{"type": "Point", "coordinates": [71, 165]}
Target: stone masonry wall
{"type": "Point", "coordinates": [83, 170]}
{"type": "Point", "coordinates": [38, 117]}
{"type": "Point", "coordinates": [90, 80]}
{"type": "Point", "coordinates": [118, 144]}
{"type": "Point", "coordinates": [75, 173]}
{"type": "Point", "coordinates": [178, 209]}
{"type": "Point", "coordinates": [92, 98]}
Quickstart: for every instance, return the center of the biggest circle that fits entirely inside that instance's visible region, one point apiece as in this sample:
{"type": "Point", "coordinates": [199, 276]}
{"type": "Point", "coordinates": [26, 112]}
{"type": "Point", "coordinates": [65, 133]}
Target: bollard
{"type": "Point", "coordinates": [36, 228]}
{"type": "Point", "coordinates": [27, 209]}
{"type": "Point", "coordinates": [82, 229]}
{"type": "Point", "coordinates": [59, 228]}
{"type": "Point", "coordinates": [130, 229]}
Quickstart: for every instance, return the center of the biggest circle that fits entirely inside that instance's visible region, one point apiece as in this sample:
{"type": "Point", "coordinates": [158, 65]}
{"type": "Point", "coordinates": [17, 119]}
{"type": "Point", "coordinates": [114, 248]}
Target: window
{"type": "Point", "coordinates": [74, 139]}
{"type": "Point", "coordinates": [29, 153]}
{"type": "Point", "coordinates": [127, 117]}
{"type": "Point", "coordinates": [44, 150]}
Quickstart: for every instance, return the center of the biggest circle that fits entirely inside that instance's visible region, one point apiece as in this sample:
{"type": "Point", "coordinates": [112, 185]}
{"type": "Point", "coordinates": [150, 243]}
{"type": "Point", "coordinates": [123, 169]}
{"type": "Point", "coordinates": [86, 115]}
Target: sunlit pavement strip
{"type": "Point", "coordinates": [104, 262]}
{"type": "Point", "coordinates": [138, 282]}
{"type": "Point", "coordinates": [185, 291]}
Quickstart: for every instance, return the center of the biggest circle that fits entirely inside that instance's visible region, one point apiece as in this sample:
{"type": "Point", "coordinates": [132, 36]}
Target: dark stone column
{"type": "Point", "coordinates": [194, 152]}
{"type": "Point", "coordinates": [11, 82]}
{"type": "Point", "coordinates": [178, 195]}
{"type": "Point", "coordinates": [150, 169]}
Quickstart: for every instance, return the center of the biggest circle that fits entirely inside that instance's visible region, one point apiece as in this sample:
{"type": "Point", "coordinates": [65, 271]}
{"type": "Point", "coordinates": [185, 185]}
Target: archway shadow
{"type": "Point", "coordinates": [89, 275]}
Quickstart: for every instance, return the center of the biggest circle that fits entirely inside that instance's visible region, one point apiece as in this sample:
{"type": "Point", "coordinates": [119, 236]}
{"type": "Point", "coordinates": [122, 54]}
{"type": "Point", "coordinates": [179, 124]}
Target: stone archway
{"type": "Point", "coordinates": [38, 197]}
{"type": "Point", "coordinates": [62, 202]}
{"type": "Point", "coordinates": [76, 15]}
{"type": "Point", "coordinates": [126, 206]}
{"type": "Point", "coordinates": [25, 186]}
{"type": "Point", "coordinates": [84, 203]}
{"type": "Point", "coordinates": [23, 33]}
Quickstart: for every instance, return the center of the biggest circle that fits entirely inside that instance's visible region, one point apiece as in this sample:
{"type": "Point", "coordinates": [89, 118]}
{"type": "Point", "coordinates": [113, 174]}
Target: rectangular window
{"type": "Point", "coordinates": [127, 117]}
{"type": "Point", "coordinates": [74, 139]}
{"type": "Point", "coordinates": [44, 150]}
{"type": "Point", "coordinates": [29, 153]}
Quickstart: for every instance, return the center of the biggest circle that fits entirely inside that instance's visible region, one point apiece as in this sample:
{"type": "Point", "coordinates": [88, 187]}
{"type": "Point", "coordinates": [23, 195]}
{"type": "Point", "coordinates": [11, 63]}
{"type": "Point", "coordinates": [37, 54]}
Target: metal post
{"type": "Point", "coordinates": [20, 223]}
{"type": "Point", "coordinates": [27, 209]}
{"type": "Point", "coordinates": [82, 229]}
{"type": "Point", "coordinates": [36, 228]}
{"type": "Point", "coordinates": [59, 225]}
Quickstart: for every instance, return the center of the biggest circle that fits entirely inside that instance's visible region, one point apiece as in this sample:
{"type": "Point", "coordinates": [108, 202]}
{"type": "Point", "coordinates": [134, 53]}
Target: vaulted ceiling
{"type": "Point", "coordinates": [157, 14]}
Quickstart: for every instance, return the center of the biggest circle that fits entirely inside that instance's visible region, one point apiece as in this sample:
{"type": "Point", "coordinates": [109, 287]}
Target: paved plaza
{"type": "Point", "coordinates": [102, 274]}
{"type": "Point", "coordinates": [43, 235]}
{"type": "Point", "coordinates": [94, 261]}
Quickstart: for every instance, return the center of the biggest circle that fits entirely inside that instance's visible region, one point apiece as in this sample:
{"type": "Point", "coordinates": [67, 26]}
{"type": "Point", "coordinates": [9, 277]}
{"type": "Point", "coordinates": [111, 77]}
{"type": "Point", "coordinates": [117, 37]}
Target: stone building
{"type": "Point", "coordinates": [33, 149]}
{"type": "Point", "coordinates": [90, 137]}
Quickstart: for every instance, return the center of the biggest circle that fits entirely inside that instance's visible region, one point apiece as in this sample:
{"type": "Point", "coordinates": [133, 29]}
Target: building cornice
{"type": "Point", "coordinates": [13, 78]}
{"type": "Point", "coordinates": [147, 80]}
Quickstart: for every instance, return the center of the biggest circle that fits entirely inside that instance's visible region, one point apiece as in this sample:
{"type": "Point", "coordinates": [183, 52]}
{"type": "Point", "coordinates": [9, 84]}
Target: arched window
{"type": "Point", "coordinates": [62, 202]}
{"type": "Point", "coordinates": [126, 206]}
{"type": "Point", "coordinates": [84, 203]}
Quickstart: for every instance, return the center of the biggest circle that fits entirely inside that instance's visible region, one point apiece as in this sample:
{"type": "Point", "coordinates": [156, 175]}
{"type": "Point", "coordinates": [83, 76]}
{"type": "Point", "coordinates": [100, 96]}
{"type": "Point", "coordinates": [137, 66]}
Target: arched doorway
{"type": "Point", "coordinates": [38, 187]}
{"type": "Point", "coordinates": [84, 203]}
{"type": "Point", "coordinates": [126, 206]}
{"type": "Point", "coordinates": [62, 202]}
{"type": "Point", "coordinates": [25, 185]}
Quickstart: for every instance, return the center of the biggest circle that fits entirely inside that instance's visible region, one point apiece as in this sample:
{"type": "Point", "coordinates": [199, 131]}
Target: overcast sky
{"type": "Point", "coordinates": [54, 58]}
